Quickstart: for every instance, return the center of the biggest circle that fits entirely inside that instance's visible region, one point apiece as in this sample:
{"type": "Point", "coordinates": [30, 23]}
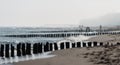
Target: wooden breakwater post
{"type": "Point", "coordinates": [35, 48]}
{"type": "Point", "coordinates": [95, 43]}
{"type": "Point", "coordinates": [23, 49]}
{"type": "Point", "coordinates": [46, 47]}
{"type": "Point", "coordinates": [12, 51]}
{"type": "Point", "coordinates": [2, 50]}
{"type": "Point", "coordinates": [84, 44]}
{"type": "Point", "coordinates": [55, 46]}
{"type": "Point", "coordinates": [78, 44]}
{"type": "Point", "coordinates": [28, 49]}
{"type": "Point", "coordinates": [62, 46]}
{"type": "Point", "coordinates": [101, 43]}
{"type": "Point", "coordinates": [73, 45]}
{"type": "Point", "coordinates": [40, 48]}
{"type": "Point", "coordinates": [89, 44]}
{"type": "Point", "coordinates": [67, 45]}
{"type": "Point", "coordinates": [19, 49]}
{"type": "Point", "coordinates": [51, 47]}
{"type": "Point", "coordinates": [7, 50]}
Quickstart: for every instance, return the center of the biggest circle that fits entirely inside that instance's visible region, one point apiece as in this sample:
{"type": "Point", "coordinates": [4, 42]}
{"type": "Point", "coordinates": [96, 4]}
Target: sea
{"type": "Point", "coordinates": [25, 30]}
{"type": "Point", "coordinates": [20, 31]}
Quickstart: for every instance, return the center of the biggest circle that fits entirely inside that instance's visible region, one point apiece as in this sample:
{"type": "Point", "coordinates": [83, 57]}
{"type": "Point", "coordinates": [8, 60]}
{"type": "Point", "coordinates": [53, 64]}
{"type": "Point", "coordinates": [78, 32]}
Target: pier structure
{"type": "Point", "coordinates": [61, 34]}
{"type": "Point", "coordinates": [24, 49]}
{"type": "Point", "coordinates": [8, 51]}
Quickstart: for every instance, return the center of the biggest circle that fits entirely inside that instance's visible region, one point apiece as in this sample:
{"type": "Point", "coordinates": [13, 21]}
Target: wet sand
{"type": "Point", "coordinates": [63, 57]}
{"type": "Point", "coordinates": [81, 56]}
{"type": "Point", "coordinates": [107, 55]}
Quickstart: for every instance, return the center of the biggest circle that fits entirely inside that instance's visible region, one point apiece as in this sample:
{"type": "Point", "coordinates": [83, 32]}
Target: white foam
{"type": "Point", "coordinates": [25, 58]}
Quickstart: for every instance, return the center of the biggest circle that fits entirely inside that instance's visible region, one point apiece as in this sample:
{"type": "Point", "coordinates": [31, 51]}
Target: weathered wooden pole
{"type": "Point", "coordinates": [2, 50]}
{"type": "Point", "coordinates": [40, 48]}
{"type": "Point", "coordinates": [19, 49]}
{"type": "Point", "coordinates": [28, 49]}
{"type": "Point", "coordinates": [89, 44]}
{"type": "Point", "coordinates": [51, 47]}
{"type": "Point", "coordinates": [35, 48]}
{"type": "Point", "coordinates": [46, 47]}
{"type": "Point", "coordinates": [55, 46]}
{"type": "Point", "coordinates": [78, 44]}
{"type": "Point", "coordinates": [73, 45]}
{"type": "Point", "coordinates": [62, 45]}
{"type": "Point", "coordinates": [95, 43]}
{"type": "Point", "coordinates": [7, 50]}
{"type": "Point", "coordinates": [23, 49]}
{"type": "Point", "coordinates": [84, 44]}
{"type": "Point", "coordinates": [67, 45]}
{"type": "Point", "coordinates": [12, 51]}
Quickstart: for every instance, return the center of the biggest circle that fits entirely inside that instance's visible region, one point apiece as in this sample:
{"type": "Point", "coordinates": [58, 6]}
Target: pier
{"type": "Point", "coordinates": [61, 34]}
{"type": "Point", "coordinates": [23, 49]}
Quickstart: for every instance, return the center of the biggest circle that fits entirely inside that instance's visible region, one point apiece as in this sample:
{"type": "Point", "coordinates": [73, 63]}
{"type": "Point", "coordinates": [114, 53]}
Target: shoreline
{"type": "Point", "coordinates": [107, 55]}
{"type": "Point", "coordinates": [74, 56]}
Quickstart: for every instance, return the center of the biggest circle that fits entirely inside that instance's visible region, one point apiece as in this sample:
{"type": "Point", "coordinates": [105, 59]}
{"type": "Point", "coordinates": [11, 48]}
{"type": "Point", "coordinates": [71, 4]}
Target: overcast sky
{"type": "Point", "coordinates": [51, 12]}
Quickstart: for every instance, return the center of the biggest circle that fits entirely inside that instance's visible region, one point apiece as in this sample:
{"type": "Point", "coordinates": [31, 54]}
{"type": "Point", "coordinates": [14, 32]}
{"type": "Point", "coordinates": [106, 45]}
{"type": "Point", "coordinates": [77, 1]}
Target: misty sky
{"type": "Point", "coordinates": [60, 12]}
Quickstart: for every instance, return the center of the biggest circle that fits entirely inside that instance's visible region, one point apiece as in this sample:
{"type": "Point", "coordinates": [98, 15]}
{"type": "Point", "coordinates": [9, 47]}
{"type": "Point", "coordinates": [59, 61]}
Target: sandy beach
{"type": "Point", "coordinates": [63, 57]}
{"type": "Point", "coordinates": [107, 55]}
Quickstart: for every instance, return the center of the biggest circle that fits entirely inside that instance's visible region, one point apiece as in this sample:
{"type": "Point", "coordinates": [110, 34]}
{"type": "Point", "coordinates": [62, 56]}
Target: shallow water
{"type": "Point", "coordinates": [25, 58]}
